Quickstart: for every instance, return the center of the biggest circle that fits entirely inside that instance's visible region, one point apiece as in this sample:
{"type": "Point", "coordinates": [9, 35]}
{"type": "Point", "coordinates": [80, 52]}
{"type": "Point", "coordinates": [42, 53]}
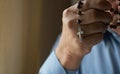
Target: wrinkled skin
{"type": "Point", "coordinates": [70, 50]}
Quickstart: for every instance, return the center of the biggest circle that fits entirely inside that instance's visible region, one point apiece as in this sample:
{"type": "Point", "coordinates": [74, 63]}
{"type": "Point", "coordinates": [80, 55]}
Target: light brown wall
{"type": "Point", "coordinates": [19, 36]}
{"type": "Point", "coordinates": [10, 36]}
{"type": "Point", "coordinates": [28, 29]}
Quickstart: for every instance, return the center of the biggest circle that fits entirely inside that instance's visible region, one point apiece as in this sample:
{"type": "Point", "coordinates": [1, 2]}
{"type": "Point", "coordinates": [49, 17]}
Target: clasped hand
{"type": "Point", "coordinates": [95, 15]}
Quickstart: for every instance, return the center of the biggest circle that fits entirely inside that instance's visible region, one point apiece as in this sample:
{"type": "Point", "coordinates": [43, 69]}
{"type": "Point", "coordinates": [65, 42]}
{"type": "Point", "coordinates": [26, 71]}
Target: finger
{"type": "Point", "coordinates": [73, 8]}
{"type": "Point", "coordinates": [114, 21]}
{"type": "Point", "coordinates": [96, 4]}
{"type": "Point", "coordinates": [91, 24]}
{"type": "Point", "coordinates": [91, 40]}
{"type": "Point", "coordinates": [92, 4]}
{"type": "Point", "coordinates": [93, 15]}
{"type": "Point", "coordinates": [70, 22]}
{"type": "Point", "coordinates": [93, 28]}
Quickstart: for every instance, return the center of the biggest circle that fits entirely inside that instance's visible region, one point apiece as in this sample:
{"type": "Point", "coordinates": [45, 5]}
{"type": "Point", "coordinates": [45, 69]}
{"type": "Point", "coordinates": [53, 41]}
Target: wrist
{"type": "Point", "coordinates": [69, 60]}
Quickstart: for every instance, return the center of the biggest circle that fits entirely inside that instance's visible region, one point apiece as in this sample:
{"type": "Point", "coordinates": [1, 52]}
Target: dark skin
{"type": "Point", "coordinates": [70, 50]}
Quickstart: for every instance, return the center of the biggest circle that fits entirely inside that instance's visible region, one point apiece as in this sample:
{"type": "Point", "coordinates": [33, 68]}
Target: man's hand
{"type": "Point", "coordinates": [70, 50]}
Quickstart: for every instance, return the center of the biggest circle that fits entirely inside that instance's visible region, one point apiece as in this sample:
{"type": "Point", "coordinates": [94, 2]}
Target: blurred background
{"type": "Point", "coordinates": [28, 30]}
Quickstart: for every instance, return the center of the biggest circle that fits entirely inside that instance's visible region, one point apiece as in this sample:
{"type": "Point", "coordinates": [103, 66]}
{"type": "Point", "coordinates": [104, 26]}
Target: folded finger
{"type": "Point", "coordinates": [96, 4]}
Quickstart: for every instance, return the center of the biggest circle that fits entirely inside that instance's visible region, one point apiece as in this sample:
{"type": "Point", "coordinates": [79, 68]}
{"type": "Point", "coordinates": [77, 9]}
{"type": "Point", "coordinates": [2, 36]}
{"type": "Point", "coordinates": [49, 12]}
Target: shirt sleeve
{"type": "Point", "coordinates": [53, 66]}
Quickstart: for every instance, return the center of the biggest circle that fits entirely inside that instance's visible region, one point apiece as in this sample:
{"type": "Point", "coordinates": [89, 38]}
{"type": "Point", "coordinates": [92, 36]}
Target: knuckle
{"type": "Point", "coordinates": [66, 11]}
{"type": "Point", "coordinates": [67, 20]}
{"type": "Point", "coordinates": [69, 23]}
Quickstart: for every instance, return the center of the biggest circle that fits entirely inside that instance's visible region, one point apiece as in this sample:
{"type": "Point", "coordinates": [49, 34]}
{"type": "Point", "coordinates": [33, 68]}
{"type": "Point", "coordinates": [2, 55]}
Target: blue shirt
{"type": "Point", "coordinates": [103, 59]}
